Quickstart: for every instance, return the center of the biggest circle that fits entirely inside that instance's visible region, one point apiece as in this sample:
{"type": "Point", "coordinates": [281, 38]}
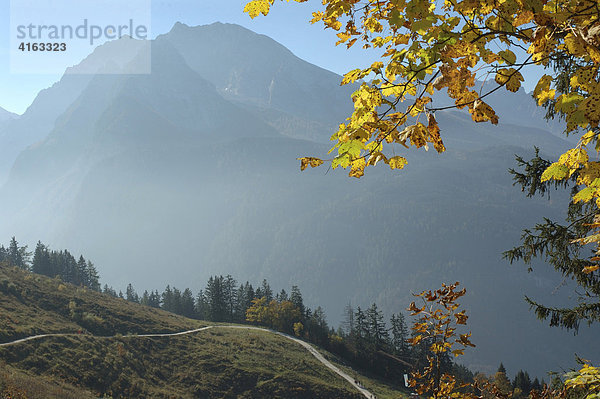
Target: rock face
{"type": "Point", "coordinates": [191, 170]}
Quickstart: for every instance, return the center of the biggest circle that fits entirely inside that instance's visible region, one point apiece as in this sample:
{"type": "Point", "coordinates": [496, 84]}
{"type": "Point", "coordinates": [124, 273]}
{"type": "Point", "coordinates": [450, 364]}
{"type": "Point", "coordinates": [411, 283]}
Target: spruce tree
{"type": "Point", "coordinates": [215, 298]}
{"type": "Point", "coordinates": [501, 380]}
{"type": "Point", "coordinates": [399, 335]}
{"type": "Point", "coordinates": [41, 260]}
{"type": "Point", "coordinates": [535, 385]}
{"type": "Point", "coordinates": [92, 276]}
{"type": "Point", "coordinates": [131, 295]}
{"type": "Point", "coordinates": [145, 299]}
{"type": "Point", "coordinates": [523, 382]}
{"type": "Point", "coordinates": [201, 306]}
{"type": "Point", "coordinates": [18, 256]}
{"type": "Point", "coordinates": [266, 291]}
{"type": "Point", "coordinates": [187, 304]}
{"type": "Point", "coordinates": [377, 331]}
{"type": "Point", "coordinates": [82, 273]}
{"type": "Point", "coordinates": [557, 243]}
{"type": "Point", "coordinates": [296, 299]}
{"type": "Point", "coordinates": [167, 299]}
{"type": "Point", "coordinates": [230, 296]}
{"type": "Point", "coordinates": [282, 296]}
{"type": "Point", "coordinates": [155, 299]}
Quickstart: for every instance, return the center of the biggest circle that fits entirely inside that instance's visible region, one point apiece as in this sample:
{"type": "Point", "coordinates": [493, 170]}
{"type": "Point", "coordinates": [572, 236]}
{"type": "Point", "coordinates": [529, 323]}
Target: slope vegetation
{"type": "Point", "coordinates": [213, 362]}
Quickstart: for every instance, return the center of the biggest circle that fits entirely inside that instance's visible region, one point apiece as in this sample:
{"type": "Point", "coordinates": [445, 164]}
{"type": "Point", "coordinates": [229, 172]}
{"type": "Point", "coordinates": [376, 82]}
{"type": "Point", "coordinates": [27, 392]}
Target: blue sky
{"type": "Point", "coordinates": [287, 23]}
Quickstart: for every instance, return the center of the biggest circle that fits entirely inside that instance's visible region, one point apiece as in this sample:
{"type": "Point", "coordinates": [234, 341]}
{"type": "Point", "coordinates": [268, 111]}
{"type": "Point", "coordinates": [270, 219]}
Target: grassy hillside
{"type": "Point", "coordinates": [33, 304]}
{"type": "Point", "coordinates": [208, 364]}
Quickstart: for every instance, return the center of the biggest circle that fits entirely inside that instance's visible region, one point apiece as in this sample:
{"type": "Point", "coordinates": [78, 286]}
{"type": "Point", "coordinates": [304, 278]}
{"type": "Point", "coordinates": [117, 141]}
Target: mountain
{"type": "Point", "coordinates": [6, 115]}
{"type": "Point", "coordinates": [300, 99]}
{"type": "Point", "coordinates": [170, 177]}
{"type": "Point", "coordinates": [16, 134]}
{"type": "Point", "coordinates": [108, 358]}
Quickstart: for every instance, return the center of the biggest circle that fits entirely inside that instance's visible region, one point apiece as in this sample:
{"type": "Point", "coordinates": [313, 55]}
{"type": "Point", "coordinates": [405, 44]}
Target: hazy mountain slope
{"type": "Point", "coordinates": [6, 115]}
{"type": "Point", "coordinates": [40, 117]}
{"type": "Point", "coordinates": [120, 115]}
{"type": "Point", "coordinates": [256, 69]}
{"type": "Point", "coordinates": [300, 99]}
{"type": "Point", "coordinates": [38, 120]}
{"type": "Point", "coordinates": [168, 178]}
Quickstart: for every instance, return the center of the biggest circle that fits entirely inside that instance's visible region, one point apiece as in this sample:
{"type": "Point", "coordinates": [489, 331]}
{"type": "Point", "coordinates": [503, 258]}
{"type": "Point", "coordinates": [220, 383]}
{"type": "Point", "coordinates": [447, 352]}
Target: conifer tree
{"type": "Point", "coordinates": [296, 299]}
{"type": "Point", "coordinates": [523, 382]}
{"type": "Point", "coordinates": [82, 273]}
{"type": "Point", "coordinates": [187, 304]}
{"type": "Point", "coordinates": [245, 296]}
{"type": "Point", "coordinates": [230, 296]}
{"type": "Point", "coordinates": [145, 299]}
{"type": "Point", "coordinates": [155, 299]}
{"type": "Point", "coordinates": [266, 290]}
{"type": "Point", "coordinates": [92, 276]}
{"type": "Point", "coordinates": [18, 256]}
{"type": "Point", "coordinates": [282, 296]}
{"type": "Point", "coordinates": [215, 298]}
{"type": "Point", "coordinates": [399, 334]}
{"type": "Point", "coordinates": [131, 295]}
{"type": "Point", "coordinates": [501, 380]}
{"type": "Point", "coordinates": [377, 331]}
{"type": "Point", "coordinates": [167, 299]}
{"type": "Point", "coordinates": [41, 260]}
{"type": "Point", "coordinates": [202, 306]}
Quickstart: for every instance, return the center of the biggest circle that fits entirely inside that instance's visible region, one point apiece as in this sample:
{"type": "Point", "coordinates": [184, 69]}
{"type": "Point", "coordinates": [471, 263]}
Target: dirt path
{"type": "Point", "coordinates": [306, 345]}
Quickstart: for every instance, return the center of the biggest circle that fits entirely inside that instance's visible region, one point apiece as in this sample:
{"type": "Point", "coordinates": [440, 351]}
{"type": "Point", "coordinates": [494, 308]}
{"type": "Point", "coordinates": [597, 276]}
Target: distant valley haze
{"type": "Point", "coordinates": [191, 171]}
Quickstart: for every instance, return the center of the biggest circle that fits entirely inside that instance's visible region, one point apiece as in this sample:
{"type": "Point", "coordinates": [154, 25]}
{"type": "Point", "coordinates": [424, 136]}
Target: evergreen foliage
{"type": "Point", "coordinates": [49, 263]}
{"type": "Point", "coordinates": [558, 244]}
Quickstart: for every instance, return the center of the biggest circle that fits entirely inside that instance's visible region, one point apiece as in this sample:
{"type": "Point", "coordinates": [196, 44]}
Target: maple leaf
{"type": "Point", "coordinates": [313, 162]}
{"type": "Point", "coordinates": [257, 7]}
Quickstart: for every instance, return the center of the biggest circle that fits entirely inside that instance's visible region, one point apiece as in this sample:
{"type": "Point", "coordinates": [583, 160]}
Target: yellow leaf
{"type": "Point", "coordinates": [542, 92]}
{"type": "Point", "coordinates": [590, 269]}
{"type": "Point", "coordinates": [257, 7]}
{"type": "Point", "coordinates": [589, 173]}
{"type": "Point", "coordinates": [523, 18]}
{"type": "Point", "coordinates": [508, 56]}
{"type": "Point", "coordinates": [357, 168]}
{"type": "Point", "coordinates": [317, 16]}
{"type": "Point", "coordinates": [434, 133]}
{"type": "Point", "coordinates": [397, 162]}
{"type": "Point", "coordinates": [591, 107]}
{"type": "Point", "coordinates": [344, 36]}
{"type": "Point", "coordinates": [588, 137]}
{"type": "Point", "coordinates": [575, 45]}
{"type": "Point", "coordinates": [555, 171]}
{"type": "Point", "coordinates": [352, 76]}
{"type": "Point", "coordinates": [510, 78]}
{"type": "Point", "coordinates": [482, 112]}
{"type": "Point", "coordinates": [573, 158]}
{"type": "Point", "coordinates": [458, 352]}
{"type": "Point", "coordinates": [585, 195]}
{"type": "Point", "coordinates": [306, 161]}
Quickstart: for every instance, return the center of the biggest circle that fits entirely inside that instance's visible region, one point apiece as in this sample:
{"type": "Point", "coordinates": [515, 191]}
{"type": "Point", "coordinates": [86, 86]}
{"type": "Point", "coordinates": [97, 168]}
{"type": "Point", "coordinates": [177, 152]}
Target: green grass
{"type": "Point", "coordinates": [16, 384]}
{"type": "Point", "coordinates": [215, 363]}
{"type": "Point", "coordinates": [32, 304]}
